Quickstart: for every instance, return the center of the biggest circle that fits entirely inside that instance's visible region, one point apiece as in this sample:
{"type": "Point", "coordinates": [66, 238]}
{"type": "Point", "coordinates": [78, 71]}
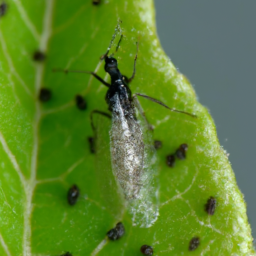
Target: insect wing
{"type": "Point", "coordinates": [133, 164]}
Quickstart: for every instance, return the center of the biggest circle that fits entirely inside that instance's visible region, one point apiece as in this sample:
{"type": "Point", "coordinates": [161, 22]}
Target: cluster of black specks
{"type": "Point", "coordinates": [210, 205]}
{"type": "Point", "coordinates": [157, 144]}
{"type": "Point", "coordinates": [146, 250]}
{"type": "Point", "coordinates": [80, 102]}
{"type": "Point", "coordinates": [117, 232]}
{"type": "Point", "coordinates": [39, 56]}
{"type": "Point", "coordinates": [45, 95]}
{"type": "Point", "coordinates": [181, 151]}
{"type": "Point", "coordinates": [66, 254]}
{"type": "Point", "coordinates": [91, 141]}
{"type": "Point", "coordinates": [194, 243]}
{"type": "Point", "coordinates": [3, 9]}
{"type": "Point", "coordinates": [73, 194]}
{"type": "Point", "coordinates": [180, 154]}
{"type": "Point", "coordinates": [170, 160]}
{"type": "Point", "coordinates": [95, 2]}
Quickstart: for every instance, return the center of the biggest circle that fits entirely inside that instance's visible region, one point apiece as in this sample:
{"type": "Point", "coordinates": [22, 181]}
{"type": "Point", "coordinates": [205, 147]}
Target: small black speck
{"type": "Point", "coordinates": [3, 9]}
{"type": "Point", "coordinates": [157, 144]}
{"type": "Point", "coordinates": [117, 232]}
{"type": "Point", "coordinates": [96, 2]}
{"type": "Point", "coordinates": [39, 56]}
{"type": "Point", "coordinates": [146, 250]}
{"type": "Point", "coordinates": [170, 160]}
{"type": "Point", "coordinates": [73, 194]}
{"type": "Point", "coordinates": [181, 151]}
{"type": "Point", "coordinates": [194, 243]}
{"type": "Point", "coordinates": [210, 205]}
{"type": "Point", "coordinates": [66, 254]}
{"type": "Point", "coordinates": [45, 94]}
{"type": "Point", "coordinates": [80, 102]}
{"type": "Point", "coordinates": [91, 141]}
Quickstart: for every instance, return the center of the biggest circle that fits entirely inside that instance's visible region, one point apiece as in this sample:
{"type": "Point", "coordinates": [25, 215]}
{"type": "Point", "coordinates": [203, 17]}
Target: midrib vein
{"type": "Point", "coordinates": [31, 183]}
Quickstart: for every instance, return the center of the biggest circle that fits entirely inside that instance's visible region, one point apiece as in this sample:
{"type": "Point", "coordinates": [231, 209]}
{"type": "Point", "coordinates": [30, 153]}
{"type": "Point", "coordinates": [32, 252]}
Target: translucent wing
{"type": "Point", "coordinates": [133, 164]}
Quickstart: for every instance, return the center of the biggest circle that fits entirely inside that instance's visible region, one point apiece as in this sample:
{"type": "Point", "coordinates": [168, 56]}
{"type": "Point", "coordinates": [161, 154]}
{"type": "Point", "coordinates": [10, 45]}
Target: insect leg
{"type": "Point", "coordinates": [134, 65]}
{"type": "Point", "coordinates": [82, 71]}
{"type": "Point", "coordinates": [162, 104]}
{"type": "Point", "coordinates": [138, 106]}
{"type": "Point", "coordinates": [98, 112]}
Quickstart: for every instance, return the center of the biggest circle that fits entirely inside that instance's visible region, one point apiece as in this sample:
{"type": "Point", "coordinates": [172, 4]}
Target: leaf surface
{"type": "Point", "coordinates": [44, 148]}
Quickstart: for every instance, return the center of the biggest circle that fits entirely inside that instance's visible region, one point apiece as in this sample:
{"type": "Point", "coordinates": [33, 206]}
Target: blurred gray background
{"type": "Point", "coordinates": [214, 44]}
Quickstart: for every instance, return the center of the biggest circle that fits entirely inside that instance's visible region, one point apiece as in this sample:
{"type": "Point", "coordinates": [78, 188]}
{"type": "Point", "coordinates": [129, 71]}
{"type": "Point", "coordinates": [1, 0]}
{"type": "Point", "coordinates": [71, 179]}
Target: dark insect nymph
{"type": "Point", "coordinates": [131, 157]}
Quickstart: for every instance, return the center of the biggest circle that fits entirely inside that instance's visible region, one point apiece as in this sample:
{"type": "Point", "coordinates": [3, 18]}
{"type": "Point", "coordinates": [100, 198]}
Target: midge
{"type": "Point", "coordinates": [132, 147]}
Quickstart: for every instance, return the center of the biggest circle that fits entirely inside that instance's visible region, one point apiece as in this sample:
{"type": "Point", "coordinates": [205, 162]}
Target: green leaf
{"type": "Point", "coordinates": [44, 148]}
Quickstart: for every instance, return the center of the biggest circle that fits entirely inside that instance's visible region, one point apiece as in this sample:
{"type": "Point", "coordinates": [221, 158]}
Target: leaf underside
{"type": "Point", "coordinates": [44, 148]}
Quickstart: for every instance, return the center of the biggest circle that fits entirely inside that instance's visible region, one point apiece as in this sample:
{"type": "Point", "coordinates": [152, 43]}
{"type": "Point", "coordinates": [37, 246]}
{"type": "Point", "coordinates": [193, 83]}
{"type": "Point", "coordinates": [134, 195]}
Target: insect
{"type": "Point", "coordinates": [73, 194]}
{"type": "Point", "coordinates": [194, 243]}
{"type": "Point", "coordinates": [80, 102]}
{"type": "Point", "coordinates": [210, 206]}
{"type": "Point", "coordinates": [3, 9]}
{"type": "Point", "coordinates": [131, 144]}
{"type": "Point", "coordinates": [181, 151]}
{"type": "Point", "coordinates": [146, 250]}
{"type": "Point", "coordinates": [116, 232]}
{"type": "Point", "coordinates": [39, 56]}
{"type": "Point", "coordinates": [45, 94]}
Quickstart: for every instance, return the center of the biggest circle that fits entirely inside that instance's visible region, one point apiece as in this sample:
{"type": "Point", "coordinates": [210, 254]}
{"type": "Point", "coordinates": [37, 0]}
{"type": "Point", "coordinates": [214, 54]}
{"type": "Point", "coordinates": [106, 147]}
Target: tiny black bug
{"type": "Point", "coordinates": [157, 144]}
{"type": "Point", "coordinates": [210, 205]}
{"type": "Point", "coordinates": [170, 160]}
{"type": "Point", "coordinates": [39, 56]}
{"type": "Point", "coordinates": [91, 141]}
{"type": "Point", "coordinates": [45, 94]}
{"type": "Point", "coordinates": [96, 2]}
{"type": "Point", "coordinates": [80, 102]}
{"type": "Point", "coordinates": [73, 194]}
{"type": "Point", "coordinates": [194, 243]}
{"type": "Point", "coordinates": [146, 250]}
{"type": "Point", "coordinates": [66, 254]}
{"type": "Point", "coordinates": [181, 151]}
{"type": "Point", "coordinates": [116, 232]}
{"type": "Point", "coordinates": [3, 9]}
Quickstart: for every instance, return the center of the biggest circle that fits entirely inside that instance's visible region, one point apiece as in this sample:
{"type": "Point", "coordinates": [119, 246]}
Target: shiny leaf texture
{"type": "Point", "coordinates": [44, 147]}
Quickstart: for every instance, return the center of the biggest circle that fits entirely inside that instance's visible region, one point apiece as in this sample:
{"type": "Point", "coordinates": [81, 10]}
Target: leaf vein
{"type": "Point", "coordinates": [26, 20]}
{"type": "Point", "coordinates": [11, 66]}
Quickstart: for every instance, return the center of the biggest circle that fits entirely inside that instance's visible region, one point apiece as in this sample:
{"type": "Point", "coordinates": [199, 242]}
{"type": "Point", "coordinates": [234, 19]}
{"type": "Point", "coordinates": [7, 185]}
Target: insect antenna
{"type": "Point", "coordinates": [117, 29]}
{"type": "Point", "coordinates": [162, 104]}
{"type": "Point", "coordinates": [119, 42]}
{"type": "Point", "coordinates": [66, 71]}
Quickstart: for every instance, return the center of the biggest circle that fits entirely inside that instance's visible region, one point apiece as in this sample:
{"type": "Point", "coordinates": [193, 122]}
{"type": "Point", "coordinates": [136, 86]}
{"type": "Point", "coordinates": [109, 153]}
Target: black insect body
{"type": "Point", "coordinates": [194, 243]}
{"type": "Point", "coordinates": [117, 232]}
{"type": "Point", "coordinates": [91, 141]}
{"type": "Point", "coordinates": [170, 160]}
{"type": "Point", "coordinates": [73, 194]}
{"type": "Point", "coordinates": [157, 144]}
{"type": "Point", "coordinates": [66, 254]}
{"type": "Point", "coordinates": [39, 56]}
{"type": "Point", "coordinates": [80, 102]}
{"type": "Point", "coordinates": [3, 9]}
{"type": "Point", "coordinates": [146, 250]}
{"type": "Point", "coordinates": [96, 2]}
{"type": "Point", "coordinates": [45, 94]}
{"type": "Point", "coordinates": [181, 151]}
{"type": "Point", "coordinates": [210, 205]}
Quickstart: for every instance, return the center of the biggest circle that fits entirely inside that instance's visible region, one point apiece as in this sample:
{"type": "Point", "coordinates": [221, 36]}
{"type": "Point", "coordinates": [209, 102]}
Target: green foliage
{"type": "Point", "coordinates": [44, 148]}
